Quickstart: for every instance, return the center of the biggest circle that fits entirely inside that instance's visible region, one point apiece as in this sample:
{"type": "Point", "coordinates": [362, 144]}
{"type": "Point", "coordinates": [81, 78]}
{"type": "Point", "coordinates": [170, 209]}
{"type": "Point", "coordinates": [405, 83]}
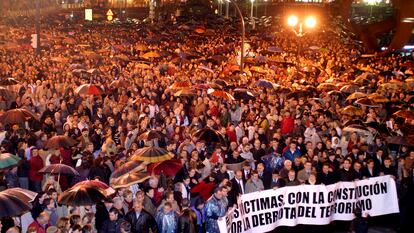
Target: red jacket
{"type": "Point", "coordinates": [232, 136]}
{"type": "Point", "coordinates": [204, 189]}
{"type": "Point", "coordinates": [36, 163]}
{"type": "Point", "coordinates": [287, 125]}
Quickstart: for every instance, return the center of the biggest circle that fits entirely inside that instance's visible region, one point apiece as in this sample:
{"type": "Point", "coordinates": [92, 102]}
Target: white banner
{"type": "Point", "coordinates": [311, 205]}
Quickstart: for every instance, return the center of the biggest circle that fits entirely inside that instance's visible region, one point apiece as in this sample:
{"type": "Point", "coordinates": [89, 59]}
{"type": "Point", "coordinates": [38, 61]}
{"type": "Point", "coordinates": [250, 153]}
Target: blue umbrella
{"type": "Point", "coordinates": [264, 83]}
{"type": "Point", "coordinates": [261, 59]}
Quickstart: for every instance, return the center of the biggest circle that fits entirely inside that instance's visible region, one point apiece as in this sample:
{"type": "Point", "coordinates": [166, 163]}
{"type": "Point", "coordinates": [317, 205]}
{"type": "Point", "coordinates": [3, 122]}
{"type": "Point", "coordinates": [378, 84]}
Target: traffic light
{"type": "Point", "coordinates": [34, 41]}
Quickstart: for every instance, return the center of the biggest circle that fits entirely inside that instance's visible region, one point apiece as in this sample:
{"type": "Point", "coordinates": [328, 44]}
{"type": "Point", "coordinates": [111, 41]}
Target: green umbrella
{"type": "Point", "coordinates": [8, 160]}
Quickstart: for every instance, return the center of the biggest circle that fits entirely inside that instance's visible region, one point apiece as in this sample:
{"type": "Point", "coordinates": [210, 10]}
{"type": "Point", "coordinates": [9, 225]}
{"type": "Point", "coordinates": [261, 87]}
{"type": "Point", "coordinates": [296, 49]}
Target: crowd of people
{"type": "Point", "coordinates": [170, 78]}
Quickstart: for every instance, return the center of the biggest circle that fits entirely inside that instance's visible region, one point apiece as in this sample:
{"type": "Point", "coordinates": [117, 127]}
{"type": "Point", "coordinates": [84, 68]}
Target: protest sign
{"type": "Point", "coordinates": [311, 204]}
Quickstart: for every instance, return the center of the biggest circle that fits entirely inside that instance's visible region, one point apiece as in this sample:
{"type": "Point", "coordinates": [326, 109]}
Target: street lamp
{"type": "Point", "coordinates": [293, 20]}
{"type": "Point", "coordinates": [265, 3]}
{"type": "Point", "coordinates": [251, 13]}
{"type": "Point", "coordinates": [242, 33]}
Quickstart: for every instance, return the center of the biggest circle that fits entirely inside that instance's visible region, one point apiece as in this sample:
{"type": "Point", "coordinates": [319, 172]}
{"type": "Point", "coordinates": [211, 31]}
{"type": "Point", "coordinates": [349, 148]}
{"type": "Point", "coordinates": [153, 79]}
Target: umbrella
{"type": "Point", "coordinates": [180, 85]}
{"type": "Point", "coordinates": [352, 111]}
{"type": "Point", "coordinates": [274, 49]}
{"type": "Point", "coordinates": [88, 89]}
{"type": "Point", "coordinates": [120, 83]}
{"type": "Point", "coordinates": [354, 122]}
{"type": "Point", "coordinates": [186, 92]}
{"type": "Point", "coordinates": [326, 86]}
{"type": "Point", "coordinates": [243, 94]}
{"type": "Point", "coordinates": [8, 82]}
{"type": "Point", "coordinates": [15, 201]}
{"type": "Point", "coordinates": [17, 116]}
{"type": "Point", "coordinates": [336, 93]}
{"type": "Point", "coordinates": [206, 69]}
{"type": "Point", "coordinates": [59, 169]}
{"type": "Point", "coordinates": [131, 166]}
{"type": "Point", "coordinates": [350, 88]}
{"type": "Point", "coordinates": [81, 195]}
{"type": "Point", "coordinates": [168, 167]}
{"type": "Point", "coordinates": [8, 160]}
{"type": "Point", "coordinates": [201, 86]}
{"type": "Point", "coordinates": [151, 55]}
{"type": "Point", "coordinates": [152, 154]}
{"type": "Point", "coordinates": [221, 82]}
{"type": "Point", "coordinates": [129, 179]}
{"type": "Point", "coordinates": [149, 135]}
{"type": "Point", "coordinates": [122, 57]}
{"type": "Point", "coordinates": [220, 94]}
{"type": "Point", "coordinates": [389, 86]}
{"type": "Point", "coordinates": [264, 83]}
{"type": "Point", "coordinates": [143, 66]}
{"type": "Point", "coordinates": [406, 114]}
{"type": "Point", "coordinates": [60, 59]}
{"type": "Point", "coordinates": [209, 135]}
{"type": "Point", "coordinates": [356, 95]}
{"type": "Point", "coordinates": [69, 41]}
{"type": "Point", "coordinates": [97, 184]}
{"type": "Point", "coordinates": [378, 98]}
{"type": "Point", "coordinates": [57, 142]}
{"type": "Point", "coordinates": [297, 94]}
{"type": "Point", "coordinates": [367, 102]}
{"type": "Point", "coordinates": [357, 129]}
{"type": "Point", "coordinates": [399, 140]}
{"type": "Point", "coordinates": [7, 94]}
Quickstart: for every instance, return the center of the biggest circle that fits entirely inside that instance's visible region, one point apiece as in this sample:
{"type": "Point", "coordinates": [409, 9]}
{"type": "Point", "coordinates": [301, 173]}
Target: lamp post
{"type": "Point", "coordinates": [251, 14]}
{"type": "Point", "coordinates": [38, 27]}
{"type": "Point", "coordinates": [293, 21]}
{"type": "Point", "coordinates": [243, 32]}
{"type": "Point", "coordinates": [265, 3]}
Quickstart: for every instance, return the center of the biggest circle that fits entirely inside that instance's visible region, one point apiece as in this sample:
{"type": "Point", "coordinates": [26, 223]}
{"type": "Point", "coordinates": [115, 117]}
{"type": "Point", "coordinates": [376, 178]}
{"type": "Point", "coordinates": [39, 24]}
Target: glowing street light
{"type": "Point", "coordinates": [292, 20]}
{"type": "Point", "coordinates": [310, 22]}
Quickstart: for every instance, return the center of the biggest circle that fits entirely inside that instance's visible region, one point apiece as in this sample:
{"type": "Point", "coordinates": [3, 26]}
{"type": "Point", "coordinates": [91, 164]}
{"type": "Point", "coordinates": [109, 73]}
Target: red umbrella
{"type": "Point", "coordinates": [88, 89]}
{"type": "Point", "coordinates": [180, 85]}
{"type": "Point", "coordinates": [97, 184]}
{"type": "Point", "coordinates": [220, 94]}
{"type": "Point", "coordinates": [57, 142]}
{"type": "Point", "coordinates": [59, 169]}
{"type": "Point", "coordinates": [168, 167]}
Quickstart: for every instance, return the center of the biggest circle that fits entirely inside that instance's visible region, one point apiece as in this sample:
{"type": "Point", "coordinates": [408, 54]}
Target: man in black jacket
{"type": "Point", "coordinates": [265, 176]}
{"type": "Point", "coordinates": [325, 176]}
{"type": "Point", "coordinates": [111, 225]}
{"type": "Point", "coordinates": [187, 220]}
{"type": "Point", "coordinates": [141, 221]}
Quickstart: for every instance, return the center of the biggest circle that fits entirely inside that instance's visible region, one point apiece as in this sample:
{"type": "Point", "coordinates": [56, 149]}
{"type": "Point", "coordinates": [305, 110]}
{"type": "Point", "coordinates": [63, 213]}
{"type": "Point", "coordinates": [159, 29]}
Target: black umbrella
{"type": "Point", "coordinates": [15, 201]}
{"type": "Point", "coordinates": [82, 195]}
{"type": "Point", "coordinates": [8, 82]}
{"type": "Point", "coordinates": [402, 141]}
{"type": "Point", "coordinates": [209, 135]}
{"type": "Point", "coordinates": [243, 94]}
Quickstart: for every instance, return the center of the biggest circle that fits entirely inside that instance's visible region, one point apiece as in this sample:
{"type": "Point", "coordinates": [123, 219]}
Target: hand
{"type": "Point", "coordinates": [161, 189]}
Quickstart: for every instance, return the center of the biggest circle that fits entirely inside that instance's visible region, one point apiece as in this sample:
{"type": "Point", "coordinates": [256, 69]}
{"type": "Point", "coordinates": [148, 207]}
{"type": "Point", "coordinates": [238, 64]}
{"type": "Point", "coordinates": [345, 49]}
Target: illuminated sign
{"type": "Point", "coordinates": [88, 14]}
